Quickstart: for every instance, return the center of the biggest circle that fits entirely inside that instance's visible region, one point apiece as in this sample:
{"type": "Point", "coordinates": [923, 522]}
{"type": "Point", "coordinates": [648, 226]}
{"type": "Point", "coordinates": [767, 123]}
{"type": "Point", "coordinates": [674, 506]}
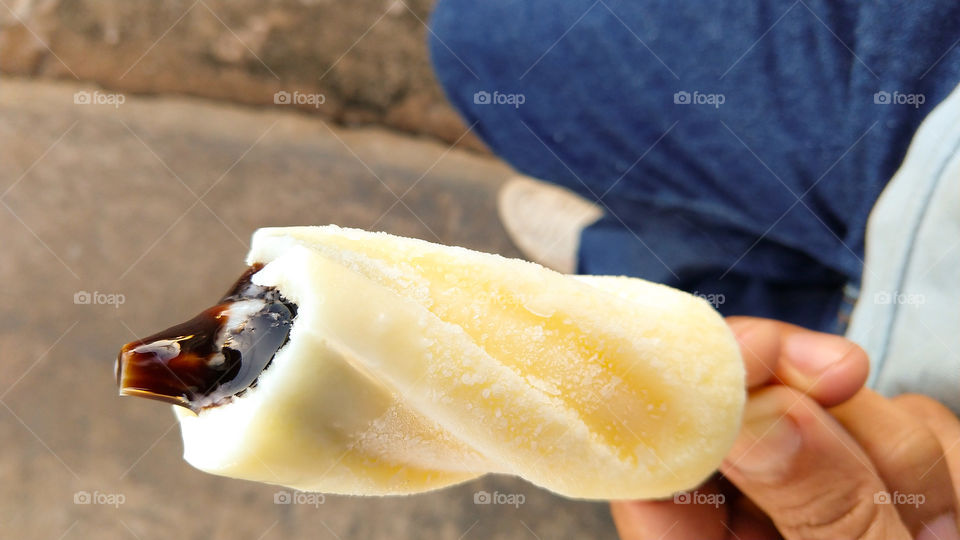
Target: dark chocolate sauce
{"type": "Point", "coordinates": [218, 354]}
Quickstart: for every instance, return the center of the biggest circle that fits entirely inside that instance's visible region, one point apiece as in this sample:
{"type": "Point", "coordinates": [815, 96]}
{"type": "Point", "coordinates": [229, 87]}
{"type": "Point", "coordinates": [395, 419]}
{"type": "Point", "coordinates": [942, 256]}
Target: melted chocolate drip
{"type": "Point", "coordinates": [205, 361]}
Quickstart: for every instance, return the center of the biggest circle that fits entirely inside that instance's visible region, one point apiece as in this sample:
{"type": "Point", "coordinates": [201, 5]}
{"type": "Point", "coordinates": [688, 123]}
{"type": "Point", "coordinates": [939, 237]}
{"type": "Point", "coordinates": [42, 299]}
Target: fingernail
{"type": "Point", "coordinates": [768, 439]}
{"type": "Point", "coordinates": [813, 354]}
{"type": "Point", "coordinates": [942, 528]}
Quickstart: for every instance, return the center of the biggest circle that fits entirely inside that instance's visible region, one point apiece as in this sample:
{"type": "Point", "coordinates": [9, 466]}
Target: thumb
{"type": "Point", "coordinates": [807, 473]}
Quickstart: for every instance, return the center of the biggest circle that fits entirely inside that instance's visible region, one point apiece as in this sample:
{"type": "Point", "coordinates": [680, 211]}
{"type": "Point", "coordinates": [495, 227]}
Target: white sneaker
{"type": "Point", "coordinates": [545, 221]}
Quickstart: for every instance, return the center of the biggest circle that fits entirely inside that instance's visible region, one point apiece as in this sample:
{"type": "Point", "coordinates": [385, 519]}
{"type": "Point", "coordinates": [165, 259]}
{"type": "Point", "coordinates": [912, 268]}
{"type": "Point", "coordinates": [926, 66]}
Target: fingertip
{"type": "Point", "coordinates": [830, 369]}
{"type": "Point", "coordinates": [848, 375]}
{"type": "Point", "coordinates": [759, 341]}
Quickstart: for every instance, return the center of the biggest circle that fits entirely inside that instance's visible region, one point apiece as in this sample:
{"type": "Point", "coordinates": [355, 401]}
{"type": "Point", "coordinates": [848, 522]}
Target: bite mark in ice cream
{"type": "Point", "coordinates": [213, 357]}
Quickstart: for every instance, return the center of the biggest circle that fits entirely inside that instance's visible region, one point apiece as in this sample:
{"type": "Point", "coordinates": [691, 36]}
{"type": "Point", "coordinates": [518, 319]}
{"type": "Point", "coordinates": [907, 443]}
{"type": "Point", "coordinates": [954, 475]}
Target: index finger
{"type": "Point", "coordinates": [828, 368]}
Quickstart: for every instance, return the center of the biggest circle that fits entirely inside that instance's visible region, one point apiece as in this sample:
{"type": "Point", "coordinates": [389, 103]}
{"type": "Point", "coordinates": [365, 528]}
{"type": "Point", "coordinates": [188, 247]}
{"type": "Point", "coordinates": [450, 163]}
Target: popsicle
{"type": "Point", "coordinates": [353, 362]}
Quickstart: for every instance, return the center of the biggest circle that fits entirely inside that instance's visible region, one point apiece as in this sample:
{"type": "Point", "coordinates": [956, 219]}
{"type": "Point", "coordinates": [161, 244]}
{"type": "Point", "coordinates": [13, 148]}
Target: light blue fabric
{"type": "Point", "coordinates": [908, 314]}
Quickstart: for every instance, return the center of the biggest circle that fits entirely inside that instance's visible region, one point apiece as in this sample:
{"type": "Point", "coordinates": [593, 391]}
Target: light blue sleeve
{"type": "Point", "coordinates": [907, 316]}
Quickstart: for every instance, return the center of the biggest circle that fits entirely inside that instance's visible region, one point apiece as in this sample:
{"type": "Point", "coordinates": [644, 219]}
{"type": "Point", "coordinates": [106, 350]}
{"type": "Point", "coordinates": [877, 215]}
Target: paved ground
{"type": "Point", "coordinates": [155, 200]}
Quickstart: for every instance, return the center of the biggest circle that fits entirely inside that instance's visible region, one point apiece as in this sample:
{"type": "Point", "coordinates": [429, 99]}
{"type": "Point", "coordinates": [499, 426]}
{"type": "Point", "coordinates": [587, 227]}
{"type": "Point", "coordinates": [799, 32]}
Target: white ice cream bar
{"type": "Point", "coordinates": [410, 366]}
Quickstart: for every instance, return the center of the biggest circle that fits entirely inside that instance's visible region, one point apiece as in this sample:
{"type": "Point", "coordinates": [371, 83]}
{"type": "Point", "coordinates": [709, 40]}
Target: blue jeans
{"type": "Point", "coordinates": [737, 147]}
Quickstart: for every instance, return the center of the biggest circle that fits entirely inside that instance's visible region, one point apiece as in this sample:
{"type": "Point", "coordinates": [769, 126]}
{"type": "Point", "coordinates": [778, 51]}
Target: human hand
{"type": "Point", "coordinates": [813, 472]}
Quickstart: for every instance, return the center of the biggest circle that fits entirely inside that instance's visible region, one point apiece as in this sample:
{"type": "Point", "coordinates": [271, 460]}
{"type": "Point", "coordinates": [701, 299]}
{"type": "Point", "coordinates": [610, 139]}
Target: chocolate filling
{"type": "Point", "coordinates": [213, 357]}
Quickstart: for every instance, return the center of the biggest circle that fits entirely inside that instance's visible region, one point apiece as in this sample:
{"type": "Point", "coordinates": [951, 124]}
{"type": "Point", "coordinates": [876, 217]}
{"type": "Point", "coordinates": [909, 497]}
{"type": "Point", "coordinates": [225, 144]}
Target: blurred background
{"type": "Point", "coordinates": [141, 143]}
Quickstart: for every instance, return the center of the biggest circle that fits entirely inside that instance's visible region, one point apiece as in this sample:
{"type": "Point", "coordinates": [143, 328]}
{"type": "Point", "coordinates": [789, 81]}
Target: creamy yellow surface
{"type": "Point", "coordinates": [412, 366]}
